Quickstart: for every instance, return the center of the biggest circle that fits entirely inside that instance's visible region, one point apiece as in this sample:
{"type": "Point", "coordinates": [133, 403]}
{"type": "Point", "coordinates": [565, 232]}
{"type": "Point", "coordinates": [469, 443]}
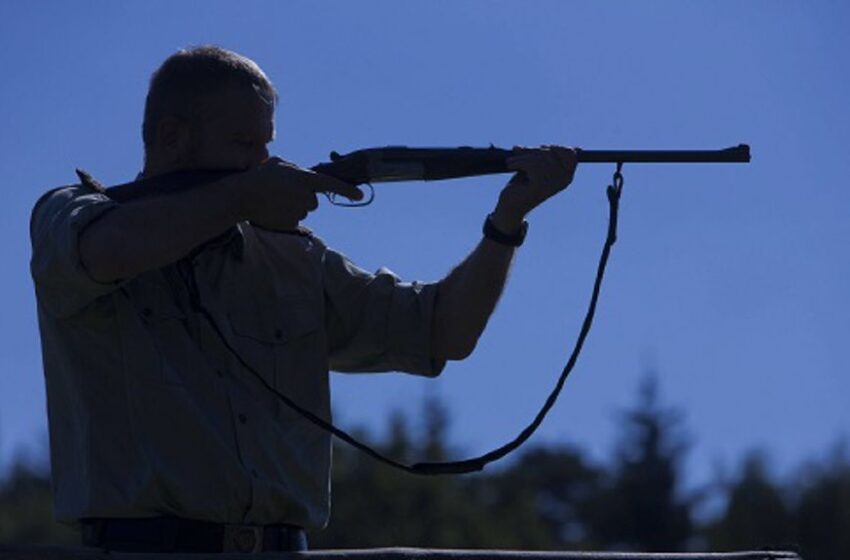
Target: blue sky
{"type": "Point", "coordinates": [729, 281]}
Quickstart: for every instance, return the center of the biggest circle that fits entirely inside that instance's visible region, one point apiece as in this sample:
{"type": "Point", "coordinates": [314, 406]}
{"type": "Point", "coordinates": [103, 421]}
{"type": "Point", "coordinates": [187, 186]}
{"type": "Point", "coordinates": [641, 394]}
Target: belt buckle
{"type": "Point", "coordinates": [242, 538]}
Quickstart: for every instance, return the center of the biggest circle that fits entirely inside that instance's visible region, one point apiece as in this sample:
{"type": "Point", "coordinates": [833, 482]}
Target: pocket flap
{"type": "Point", "coordinates": [277, 323]}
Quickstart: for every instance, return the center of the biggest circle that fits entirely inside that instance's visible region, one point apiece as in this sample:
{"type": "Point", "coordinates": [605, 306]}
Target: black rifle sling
{"type": "Point", "coordinates": [177, 182]}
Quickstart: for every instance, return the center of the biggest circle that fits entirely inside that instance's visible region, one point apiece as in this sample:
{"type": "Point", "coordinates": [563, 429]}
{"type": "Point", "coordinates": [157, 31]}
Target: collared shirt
{"type": "Point", "coordinates": [150, 413]}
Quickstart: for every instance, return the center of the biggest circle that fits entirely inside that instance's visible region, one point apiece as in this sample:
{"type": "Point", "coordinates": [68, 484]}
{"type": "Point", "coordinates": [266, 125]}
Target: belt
{"type": "Point", "coordinates": [173, 534]}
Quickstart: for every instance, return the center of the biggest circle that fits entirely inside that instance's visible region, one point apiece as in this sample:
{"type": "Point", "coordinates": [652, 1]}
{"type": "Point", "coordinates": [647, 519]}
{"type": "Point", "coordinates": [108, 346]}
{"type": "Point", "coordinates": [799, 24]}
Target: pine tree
{"type": "Point", "coordinates": [643, 508]}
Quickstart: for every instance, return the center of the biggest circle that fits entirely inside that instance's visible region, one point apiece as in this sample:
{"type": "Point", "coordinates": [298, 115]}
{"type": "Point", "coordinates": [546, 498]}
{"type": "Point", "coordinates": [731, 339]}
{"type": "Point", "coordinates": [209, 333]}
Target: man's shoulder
{"type": "Point", "coordinates": [87, 185]}
{"type": "Point", "coordinates": [61, 213]}
{"type": "Point", "coordinates": [59, 197]}
{"type": "Point", "coordinates": [65, 192]}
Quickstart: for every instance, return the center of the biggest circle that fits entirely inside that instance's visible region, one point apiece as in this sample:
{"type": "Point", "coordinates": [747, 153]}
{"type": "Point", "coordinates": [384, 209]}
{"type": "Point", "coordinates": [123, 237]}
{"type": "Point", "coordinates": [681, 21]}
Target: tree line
{"type": "Point", "coordinates": [551, 497]}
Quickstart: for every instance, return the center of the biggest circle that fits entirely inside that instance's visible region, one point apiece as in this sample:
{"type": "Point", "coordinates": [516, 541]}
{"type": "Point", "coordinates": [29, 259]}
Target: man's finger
{"type": "Point", "coordinates": [564, 153]}
{"type": "Point", "coordinates": [328, 184]}
{"type": "Point", "coordinates": [319, 182]}
{"type": "Point", "coordinates": [520, 162]}
{"type": "Point", "coordinates": [312, 203]}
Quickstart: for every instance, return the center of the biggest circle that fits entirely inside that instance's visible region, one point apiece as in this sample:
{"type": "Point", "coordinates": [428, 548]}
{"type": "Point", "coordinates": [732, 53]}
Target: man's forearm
{"type": "Point", "coordinates": [146, 234]}
{"type": "Point", "coordinates": [466, 299]}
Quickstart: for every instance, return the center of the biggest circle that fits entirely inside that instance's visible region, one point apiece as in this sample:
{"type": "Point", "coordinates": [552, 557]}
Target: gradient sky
{"type": "Point", "coordinates": [729, 281]}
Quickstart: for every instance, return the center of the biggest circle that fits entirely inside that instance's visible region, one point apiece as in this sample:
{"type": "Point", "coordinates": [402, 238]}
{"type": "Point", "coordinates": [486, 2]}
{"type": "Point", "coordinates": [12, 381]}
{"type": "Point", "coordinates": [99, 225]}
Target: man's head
{"type": "Point", "coordinates": [207, 108]}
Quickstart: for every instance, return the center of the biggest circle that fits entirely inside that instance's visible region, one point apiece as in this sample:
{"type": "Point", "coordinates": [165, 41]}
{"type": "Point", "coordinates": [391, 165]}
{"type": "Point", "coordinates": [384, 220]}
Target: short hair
{"type": "Point", "coordinates": [190, 74]}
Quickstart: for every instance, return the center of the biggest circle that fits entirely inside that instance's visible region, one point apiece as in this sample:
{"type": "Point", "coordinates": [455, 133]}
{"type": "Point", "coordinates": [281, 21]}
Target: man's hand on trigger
{"type": "Point", "coordinates": [540, 174]}
{"type": "Point", "coordinates": [279, 194]}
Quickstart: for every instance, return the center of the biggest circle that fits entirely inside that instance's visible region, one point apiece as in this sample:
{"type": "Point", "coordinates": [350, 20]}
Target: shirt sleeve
{"type": "Point", "coordinates": [376, 322]}
{"type": "Point", "coordinates": [62, 283]}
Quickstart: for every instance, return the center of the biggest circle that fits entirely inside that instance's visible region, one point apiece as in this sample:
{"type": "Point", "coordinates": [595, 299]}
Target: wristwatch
{"type": "Point", "coordinates": [513, 239]}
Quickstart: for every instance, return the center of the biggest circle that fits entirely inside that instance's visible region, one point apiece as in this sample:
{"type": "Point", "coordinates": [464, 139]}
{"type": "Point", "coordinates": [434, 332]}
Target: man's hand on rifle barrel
{"type": "Point", "coordinates": [279, 194]}
{"type": "Point", "coordinates": [540, 174]}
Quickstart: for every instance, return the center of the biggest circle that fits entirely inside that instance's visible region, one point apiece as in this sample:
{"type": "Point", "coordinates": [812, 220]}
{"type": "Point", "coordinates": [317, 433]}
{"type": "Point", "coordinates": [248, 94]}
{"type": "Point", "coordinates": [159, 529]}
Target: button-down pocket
{"type": "Point", "coordinates": [267, 337]}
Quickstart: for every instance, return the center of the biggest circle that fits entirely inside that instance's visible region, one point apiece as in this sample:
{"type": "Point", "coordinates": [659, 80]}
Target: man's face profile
{"type": "Point", "coordinates": [230, 131]}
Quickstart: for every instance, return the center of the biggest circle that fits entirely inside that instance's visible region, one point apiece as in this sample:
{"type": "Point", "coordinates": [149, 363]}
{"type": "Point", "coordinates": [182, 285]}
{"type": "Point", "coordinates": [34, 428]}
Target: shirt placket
{"type": "Point", "coordinates": [252, 409]}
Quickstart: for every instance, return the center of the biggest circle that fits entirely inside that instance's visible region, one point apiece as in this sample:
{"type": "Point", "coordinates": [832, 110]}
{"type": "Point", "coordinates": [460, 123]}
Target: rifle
{"type": "Point", "coordinates": [400, 163]}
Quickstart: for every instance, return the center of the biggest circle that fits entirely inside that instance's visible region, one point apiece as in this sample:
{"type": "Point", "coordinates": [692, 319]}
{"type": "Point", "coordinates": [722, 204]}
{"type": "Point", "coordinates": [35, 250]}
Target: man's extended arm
{"type": "Point", "coordinates": [469, 293]}
{"type": "Point", "coordinates": [149, 233]}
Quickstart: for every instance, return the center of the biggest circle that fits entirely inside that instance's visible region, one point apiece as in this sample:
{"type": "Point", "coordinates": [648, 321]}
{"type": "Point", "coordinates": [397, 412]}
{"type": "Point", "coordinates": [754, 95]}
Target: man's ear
{"type": "Point", "coordinates": [172, 137]}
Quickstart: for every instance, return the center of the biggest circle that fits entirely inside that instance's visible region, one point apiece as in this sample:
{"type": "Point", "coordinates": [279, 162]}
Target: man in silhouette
{"type": "Point", "coordinates": [166, 318]}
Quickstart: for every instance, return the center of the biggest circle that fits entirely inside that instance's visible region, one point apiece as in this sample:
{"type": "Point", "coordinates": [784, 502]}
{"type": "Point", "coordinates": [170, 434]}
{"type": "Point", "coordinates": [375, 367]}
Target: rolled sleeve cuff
{"type": "Point", "coordinates": [409, 329]}
{"type": "Point", "coordinates": [378, 322]}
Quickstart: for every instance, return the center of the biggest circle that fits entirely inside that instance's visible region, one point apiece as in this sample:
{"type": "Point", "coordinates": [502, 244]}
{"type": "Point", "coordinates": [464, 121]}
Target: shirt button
{"type": "Point", "coordinates": [243, 418]}
{"type": "Point", "coordinates": [278, 334]}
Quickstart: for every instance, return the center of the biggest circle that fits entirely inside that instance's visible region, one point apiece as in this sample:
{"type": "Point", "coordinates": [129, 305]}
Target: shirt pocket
{"type": "Point", "coordinates": [275, 338]}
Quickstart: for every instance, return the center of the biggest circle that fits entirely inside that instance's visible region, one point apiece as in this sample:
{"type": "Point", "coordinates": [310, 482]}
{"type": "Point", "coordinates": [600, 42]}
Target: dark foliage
{"type": "Point", "coordinates": [548, 497]}
{"type": "Point", "coordinates": [757, 513]}
{"type": "Point", "coordinates": [641, 507]}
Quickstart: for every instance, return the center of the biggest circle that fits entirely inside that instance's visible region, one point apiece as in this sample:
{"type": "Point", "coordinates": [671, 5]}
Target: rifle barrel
{"type": "Point", "coordinates": [737, 154]}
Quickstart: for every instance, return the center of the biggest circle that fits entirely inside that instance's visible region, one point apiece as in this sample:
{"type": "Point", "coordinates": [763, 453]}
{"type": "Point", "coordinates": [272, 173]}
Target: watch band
{"type": "Point", "coordinates": [513, 239]}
